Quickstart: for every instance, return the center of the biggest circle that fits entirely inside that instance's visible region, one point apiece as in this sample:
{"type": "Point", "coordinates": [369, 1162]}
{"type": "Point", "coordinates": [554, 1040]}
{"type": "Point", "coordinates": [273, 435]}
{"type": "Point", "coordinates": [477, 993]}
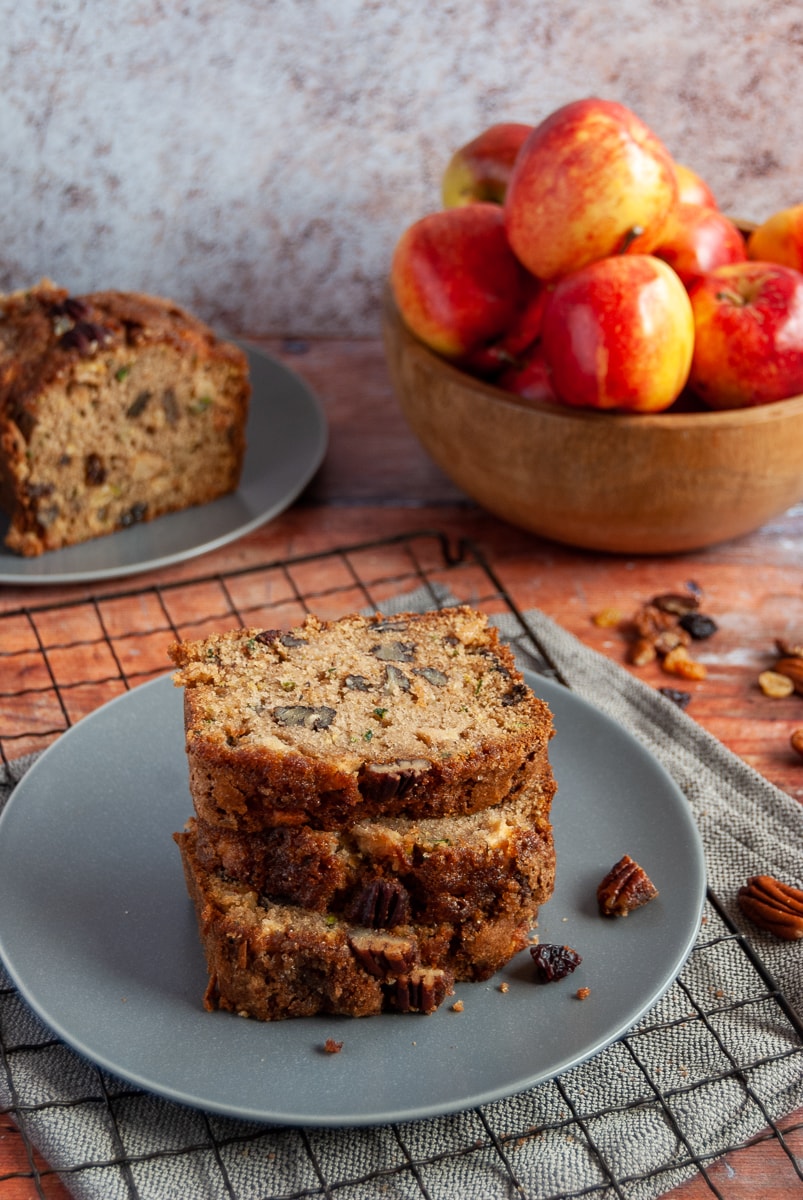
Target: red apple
{"type": "Point", "coordinates": [692, 188]}
{"type": "Point", "coordinates": [619, 334]}
{"type": "Point", "coordinates": [590, 181]}
{"type": "Point", "coordinates": [524, 329]}
{"type": "Point", "coordinates": [480, 170]}
{"type": "Point", "coordinates": [748, 346]}
{"type": "Point", "coordinates": [530, 378]}
{"type": "Point", "coordinates": [697, 239]}
{"type": "Point", "coordinates": [779, 239]}
{"type": "Point", "coordinates": [456, 281]}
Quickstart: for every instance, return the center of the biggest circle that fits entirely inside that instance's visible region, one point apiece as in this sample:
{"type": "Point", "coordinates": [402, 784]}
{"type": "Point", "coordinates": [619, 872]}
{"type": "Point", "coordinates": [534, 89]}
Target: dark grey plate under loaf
{"type": "Point", "coordinates": [98, 934]}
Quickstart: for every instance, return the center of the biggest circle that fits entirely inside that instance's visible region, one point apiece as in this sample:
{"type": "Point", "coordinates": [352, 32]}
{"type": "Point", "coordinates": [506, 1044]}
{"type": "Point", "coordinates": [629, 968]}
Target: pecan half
{"type": "Point", "coordinates": [383, 956]}
{"type": "Point", "coordinates": [387, 781]}
{"type": "Point", "coordinates": [792, 668]}
{"type": "Point", "coordinates": [381, 904]}
{"type": "Point", "coordinates": [625, 887]}
{"type": "Point", "coordinates": [774, 906]}
{"type": "Point", "coordinates": [423, 990]}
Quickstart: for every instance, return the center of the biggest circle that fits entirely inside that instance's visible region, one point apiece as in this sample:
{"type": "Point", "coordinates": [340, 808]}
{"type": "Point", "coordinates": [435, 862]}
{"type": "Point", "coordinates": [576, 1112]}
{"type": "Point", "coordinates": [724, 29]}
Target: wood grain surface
{"type": "Point", "coordinates": [376, 482]}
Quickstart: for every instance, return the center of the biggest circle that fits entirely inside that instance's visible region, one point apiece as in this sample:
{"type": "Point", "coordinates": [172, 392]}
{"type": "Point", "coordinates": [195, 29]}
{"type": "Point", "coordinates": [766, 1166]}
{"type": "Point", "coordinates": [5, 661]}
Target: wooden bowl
{"type": "Point", "coordinates": [625, 483]}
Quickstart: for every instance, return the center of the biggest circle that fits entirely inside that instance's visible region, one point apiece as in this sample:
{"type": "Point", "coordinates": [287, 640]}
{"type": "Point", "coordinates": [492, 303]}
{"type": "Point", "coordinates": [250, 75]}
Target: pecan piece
{"type": "Point", "coordinates": [554, 962]}
{"type": "Point", "coordinates": [792, 668]}
{"type": "Point", "coordinates": [357, 683]}
{"type": "Point", "coordinates": [383, 956]}
{"type": "Point", "coordinates": [381, 904]}
{"type": "Point", "coordinates": [423, 990]}
{"type": "Point", "coordinates": [432, 675]}
{"type": "Point", "coordinates": [676, 603]}
{"type": "Point", "coordinates": [625, 887]}
{"type": "Point", "coordinates": [773, 906]}
{"type": "Point", "coordinates": [303, 714]}
{"type": "Point", "coordinates": [394, 651]}
{"type": "Point", "coordinates": [387, 781]}
{"type": "Point", "coordinates": [396, 680]}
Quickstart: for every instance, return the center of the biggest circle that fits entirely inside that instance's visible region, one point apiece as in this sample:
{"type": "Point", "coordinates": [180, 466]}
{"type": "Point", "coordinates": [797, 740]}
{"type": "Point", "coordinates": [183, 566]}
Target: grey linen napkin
{"type": "Point", "coordinates": [703, 1071]}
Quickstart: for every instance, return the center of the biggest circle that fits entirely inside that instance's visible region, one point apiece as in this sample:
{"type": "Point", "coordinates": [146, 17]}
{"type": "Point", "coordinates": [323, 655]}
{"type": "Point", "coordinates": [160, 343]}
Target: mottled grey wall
{"type": "Point", "coordinates": [257, 159]}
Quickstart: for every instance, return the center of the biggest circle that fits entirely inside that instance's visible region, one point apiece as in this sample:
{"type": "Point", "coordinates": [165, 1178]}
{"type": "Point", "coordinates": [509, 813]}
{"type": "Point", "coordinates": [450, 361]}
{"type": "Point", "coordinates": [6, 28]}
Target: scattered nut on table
{"type": "Point", "coordinates": [773, 906]}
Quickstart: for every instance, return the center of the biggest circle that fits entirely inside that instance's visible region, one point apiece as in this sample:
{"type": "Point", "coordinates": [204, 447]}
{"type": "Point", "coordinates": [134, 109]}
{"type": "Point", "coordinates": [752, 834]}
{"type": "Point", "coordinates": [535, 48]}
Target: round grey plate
{"type": "Point", "coordinates": [98, 934]}
{"type": "Point", "coordinates": [286, 441]}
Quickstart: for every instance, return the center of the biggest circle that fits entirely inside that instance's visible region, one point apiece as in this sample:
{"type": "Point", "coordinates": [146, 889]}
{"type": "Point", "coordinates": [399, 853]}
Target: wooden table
{"type": "Point", "coordinates": [377, 482]}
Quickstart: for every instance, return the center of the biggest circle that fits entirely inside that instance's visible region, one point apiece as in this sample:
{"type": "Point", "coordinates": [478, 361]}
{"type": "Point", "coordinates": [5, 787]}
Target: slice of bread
{"type": "Point", "coordinates": [420, 714]}
{"type": "Point", "coordinates": [497, 863]}
{"type": "Point", "coordinates": [115, 408]}
{"type": "Point", "coordinates": [274, 961]}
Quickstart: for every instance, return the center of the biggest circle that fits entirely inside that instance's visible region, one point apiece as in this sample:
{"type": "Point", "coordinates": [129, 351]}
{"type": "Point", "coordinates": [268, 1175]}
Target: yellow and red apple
{"type": "Point", "coordinates": [748, 346]}
{"type": "Point", "coordinates": [480, 169]}
{"type": "Point", "coordinates": [592, 180]}
{"type": "Point", "coordinates": [698, 239]}
{"type": "Point", "coordinates": [455, 280]}
{"type": "Point", "coordinates": [779, 239]}
{"type": "Point", "coordinates": [619, 334]}
{"type": "Point", "coordinates": [692, 188]}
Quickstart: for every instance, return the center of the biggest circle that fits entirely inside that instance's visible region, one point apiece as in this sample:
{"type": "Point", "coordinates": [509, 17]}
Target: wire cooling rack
{"type": "Point", "coordinates": [61, 661]}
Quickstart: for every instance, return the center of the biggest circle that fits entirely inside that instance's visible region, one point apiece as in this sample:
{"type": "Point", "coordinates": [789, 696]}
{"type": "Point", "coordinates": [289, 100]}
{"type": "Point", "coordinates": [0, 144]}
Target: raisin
{"type": "Point", "coordinates": [170, 406]}
{"type": "Point", "coordinates": [94, 470]}
{"type": "Point", "coordinates": [676, 696]}
{"type": "Point", "coordinates": [554, 962]}
{"type": "Point", "coordinates": [134, 514]}
{"type": "Point", "coordinates": [517, 693]}
{"type": "Point", "coordinates": [138, 406]}
{"type": "Point", "coordinates": [698, 625]}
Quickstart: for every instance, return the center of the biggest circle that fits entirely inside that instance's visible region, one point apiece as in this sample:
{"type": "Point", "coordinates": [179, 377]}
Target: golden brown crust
{"type": "Point", "coordinates": [79, 456]}
{"type": "Point", "coordinates": [438, 722]}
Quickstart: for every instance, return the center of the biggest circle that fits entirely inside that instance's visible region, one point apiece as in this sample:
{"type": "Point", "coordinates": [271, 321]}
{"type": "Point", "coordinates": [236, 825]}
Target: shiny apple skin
{"type": "Point", "coordinates": [692, 188]}
{"type": "Point", "coordinates": [455, 280]}
{"type": "Point", "coordinates": [480, 170]}
{"type": "Point", "coordinates": [586, 180]}
{"type": "Point", "coordinates": [698, 239]}
{"type": "Point", "coordinates": [748, 335]}
{"type": "Point", "coordinates": [619, 334]}
{"type": "Point", "coordinates": [530, 378]}
{"type": "Point", "coordinates": [779, 239]}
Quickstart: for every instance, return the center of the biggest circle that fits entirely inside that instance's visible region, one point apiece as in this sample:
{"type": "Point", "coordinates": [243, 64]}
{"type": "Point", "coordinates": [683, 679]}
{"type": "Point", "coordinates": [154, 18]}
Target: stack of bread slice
{"type": "Point", "coordinates": [371, 818]}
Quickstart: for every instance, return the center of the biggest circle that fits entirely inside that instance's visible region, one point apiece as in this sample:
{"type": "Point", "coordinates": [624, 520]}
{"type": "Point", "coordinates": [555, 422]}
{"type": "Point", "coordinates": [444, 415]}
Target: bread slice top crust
{"type": "Point", "coordinates": [390, 710]}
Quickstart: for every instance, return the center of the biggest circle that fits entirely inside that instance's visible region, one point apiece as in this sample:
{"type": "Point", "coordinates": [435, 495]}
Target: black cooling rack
{"type": "Point", "coordinates": [61, 661]}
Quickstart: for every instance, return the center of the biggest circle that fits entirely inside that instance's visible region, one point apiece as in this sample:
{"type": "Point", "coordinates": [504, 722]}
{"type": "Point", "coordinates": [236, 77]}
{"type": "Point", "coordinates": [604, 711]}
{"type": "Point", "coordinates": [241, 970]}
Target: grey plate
{"type": "Point", "coordinates": [97, 932]}
{"type": "Point", "coordinates": [287, 438]}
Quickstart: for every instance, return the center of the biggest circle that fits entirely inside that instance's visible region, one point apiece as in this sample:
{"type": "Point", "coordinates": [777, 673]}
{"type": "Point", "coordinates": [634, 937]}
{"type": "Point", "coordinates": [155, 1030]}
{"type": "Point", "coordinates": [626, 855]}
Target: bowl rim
{"type": "Point", "coordinates": [757, 414]}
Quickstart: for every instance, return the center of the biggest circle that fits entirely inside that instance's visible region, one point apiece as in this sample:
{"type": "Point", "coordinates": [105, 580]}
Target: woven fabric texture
{"type": "Point", "coordinates": [687, 1083]}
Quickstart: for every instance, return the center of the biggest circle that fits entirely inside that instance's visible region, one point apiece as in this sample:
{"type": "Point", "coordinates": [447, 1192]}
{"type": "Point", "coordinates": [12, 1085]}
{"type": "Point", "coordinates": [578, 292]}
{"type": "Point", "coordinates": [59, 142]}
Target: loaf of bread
{"type": "Point", "coordinates": [372, 803]}
{"type": "Point", "coordinates": [274, 961]}
{"type": "Point", "coordinates": [423, 714]}
{"type": "Point", "coordinates": [114, 409]}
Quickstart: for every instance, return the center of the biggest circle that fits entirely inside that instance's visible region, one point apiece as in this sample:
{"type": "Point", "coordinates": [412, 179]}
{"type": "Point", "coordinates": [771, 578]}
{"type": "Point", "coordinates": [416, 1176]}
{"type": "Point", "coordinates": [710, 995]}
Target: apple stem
{"type": "Point", "coordinates": [630, 237]}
